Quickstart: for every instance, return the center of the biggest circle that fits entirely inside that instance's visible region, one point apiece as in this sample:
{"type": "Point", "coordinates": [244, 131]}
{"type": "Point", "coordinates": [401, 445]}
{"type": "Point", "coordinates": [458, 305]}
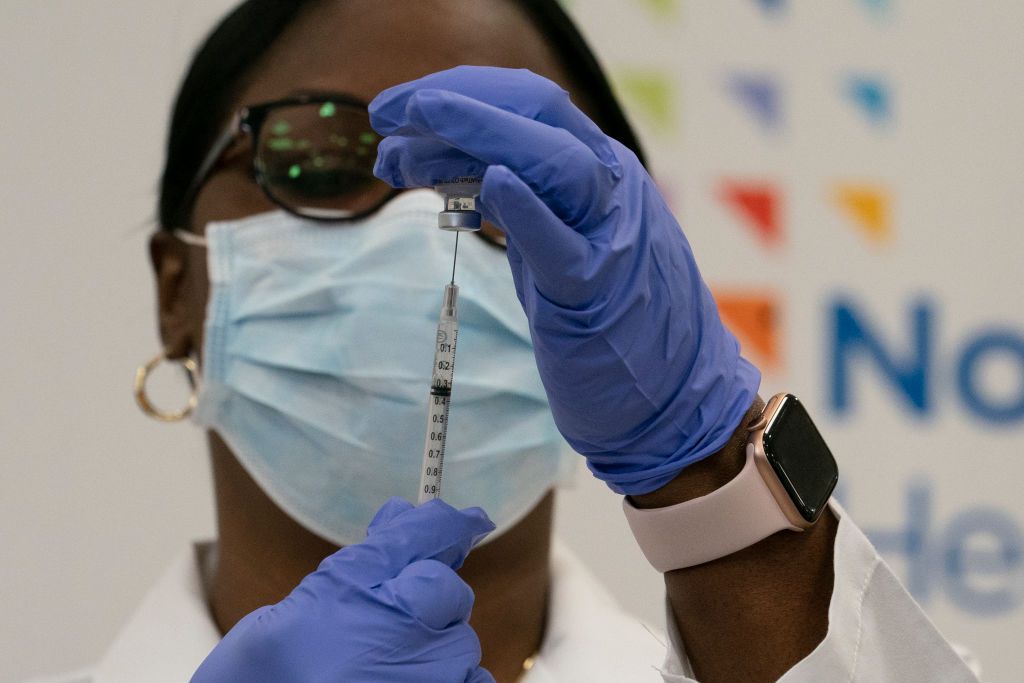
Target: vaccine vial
{"type": "Point", "coordinates": [460, 197]}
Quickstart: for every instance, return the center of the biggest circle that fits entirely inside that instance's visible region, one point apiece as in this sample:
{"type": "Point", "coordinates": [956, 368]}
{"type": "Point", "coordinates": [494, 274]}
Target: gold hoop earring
{"type": "Point", "coordinates": [142, 374]}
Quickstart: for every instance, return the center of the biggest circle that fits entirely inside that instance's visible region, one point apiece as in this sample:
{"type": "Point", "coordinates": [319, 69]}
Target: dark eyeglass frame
{"type": "Point", "coordinates": [248, 122]}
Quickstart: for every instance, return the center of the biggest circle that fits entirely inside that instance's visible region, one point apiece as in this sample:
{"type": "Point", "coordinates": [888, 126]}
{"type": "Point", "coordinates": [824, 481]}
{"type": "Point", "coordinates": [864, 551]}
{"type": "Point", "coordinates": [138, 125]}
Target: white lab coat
{"type": "Point", "coordinates": [876, 631]}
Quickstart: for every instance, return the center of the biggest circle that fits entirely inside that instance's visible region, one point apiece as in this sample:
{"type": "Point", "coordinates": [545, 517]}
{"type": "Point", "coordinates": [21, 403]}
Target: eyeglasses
{"type": "Point", "coordinates": [312, 155]}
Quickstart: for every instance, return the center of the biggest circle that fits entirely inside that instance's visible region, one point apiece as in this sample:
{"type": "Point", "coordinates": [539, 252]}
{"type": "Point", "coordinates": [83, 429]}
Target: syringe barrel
{"type": "Point", "coordinates": [439, 399]}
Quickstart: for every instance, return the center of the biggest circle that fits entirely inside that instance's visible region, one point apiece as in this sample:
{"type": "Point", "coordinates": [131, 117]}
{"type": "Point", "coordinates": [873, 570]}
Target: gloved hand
{"type": "Point", "coordinates": [388, 609]}
{"type": "Point", "coordinates": [642, 377]}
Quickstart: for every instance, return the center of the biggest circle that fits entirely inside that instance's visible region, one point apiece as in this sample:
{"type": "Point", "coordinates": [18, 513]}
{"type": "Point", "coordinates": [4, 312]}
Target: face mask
{"type": "Point", "coordinates": [317, 359]}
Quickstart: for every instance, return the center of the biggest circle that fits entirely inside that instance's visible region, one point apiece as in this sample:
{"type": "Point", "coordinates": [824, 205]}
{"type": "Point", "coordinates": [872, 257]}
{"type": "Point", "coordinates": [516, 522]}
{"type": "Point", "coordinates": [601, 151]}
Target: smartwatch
{"type": "Point", "coordinates": [785, 484]}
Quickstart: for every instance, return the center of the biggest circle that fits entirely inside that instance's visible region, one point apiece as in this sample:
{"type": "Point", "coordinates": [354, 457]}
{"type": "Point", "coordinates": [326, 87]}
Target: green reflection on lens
{"type": "Point", "coordinates": [362, 151]}
{"type": "Point", "coordinates": [295, 171]}
{"type": "Point", "coordinates": [367, 138]}
{"type": "Point", "coordinates": [281, 128]}
{"type": "Point", "coordinates": [328, 110]}
{"type": "Point", "coordinates": [318, 162]}
{"type": "Point", "coordinates": [339, 140]}
{"type": "Point", "coordinates": [281, 144]}
{"type": "Point", "coordinates": [303, 144]}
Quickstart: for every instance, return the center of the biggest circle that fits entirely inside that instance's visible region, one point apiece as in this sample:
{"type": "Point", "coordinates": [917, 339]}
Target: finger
{"type": "Point", "coordinates": [515, 262]}
{"type": "Point", "coordinates": [404, 161]}
{"type": "Point", "coordinates": [432, 593]}
{"type": "Point", "coordinates": [391, 509]}
{"type": "Point", "coordinates": [480, 675]}
{"type": "Point", "coordinates": [519, 91]}
{"type": "Point", "coordinates": [556, 257]}
{"type": "Point", "coordinates": [563, 171]}
{"type": "Point", "coordinates": [434, 530]}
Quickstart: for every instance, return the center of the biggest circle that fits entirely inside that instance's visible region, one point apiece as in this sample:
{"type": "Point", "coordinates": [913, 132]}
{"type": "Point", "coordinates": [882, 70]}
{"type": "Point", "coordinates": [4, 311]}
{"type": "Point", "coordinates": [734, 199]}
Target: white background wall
{"type": "Point", "coordinates": [95, 499]}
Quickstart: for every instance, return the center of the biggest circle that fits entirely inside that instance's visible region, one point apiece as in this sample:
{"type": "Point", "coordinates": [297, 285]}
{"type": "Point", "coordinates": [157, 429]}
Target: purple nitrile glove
{"type": "Point", "coordinates": [390, 608]}
{"type": "Point", "coordinates": [642, 377]}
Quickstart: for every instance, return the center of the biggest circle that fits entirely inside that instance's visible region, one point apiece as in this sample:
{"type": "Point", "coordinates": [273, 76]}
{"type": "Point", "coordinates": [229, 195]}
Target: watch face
{"type": "Point", "coordinates": [800, 458]}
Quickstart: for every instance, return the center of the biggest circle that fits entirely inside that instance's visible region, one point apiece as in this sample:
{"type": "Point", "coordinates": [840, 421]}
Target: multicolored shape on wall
{"type": "Point", "coordinates": [758, 205]}
{"type": "Point", "coordinates": [878, 6]}
{"type": "Point", "coordinates": [651, 92]}
{"type": "Point", "coordinates": [753, 316]}
{"type": "Point", "coordinates": [772, 5]}
{"type": "Point", "coordinates": [759, 95]}
{"type": "Point", "coordinates": [869, 208]}
{"type": "Point", "coordinates": [871, 95]}
{"type": "Point", "coordinates": [661, 8]}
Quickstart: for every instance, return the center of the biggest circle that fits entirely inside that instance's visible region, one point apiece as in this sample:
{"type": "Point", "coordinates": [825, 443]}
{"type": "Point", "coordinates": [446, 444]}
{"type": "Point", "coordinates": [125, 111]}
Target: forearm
{"type": "Point", "coordinates": [754, 614]}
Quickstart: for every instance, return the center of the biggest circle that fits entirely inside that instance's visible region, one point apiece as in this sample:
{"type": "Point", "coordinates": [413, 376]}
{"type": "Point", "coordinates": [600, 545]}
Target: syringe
{"type": "Point", "coordinates": [459, 215]}
{"type": "Point", "coordinates": [440, 395]}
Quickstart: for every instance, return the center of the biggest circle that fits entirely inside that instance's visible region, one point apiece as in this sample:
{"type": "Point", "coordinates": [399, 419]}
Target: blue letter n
{"type": "Point", "coordinates": [907, 372]}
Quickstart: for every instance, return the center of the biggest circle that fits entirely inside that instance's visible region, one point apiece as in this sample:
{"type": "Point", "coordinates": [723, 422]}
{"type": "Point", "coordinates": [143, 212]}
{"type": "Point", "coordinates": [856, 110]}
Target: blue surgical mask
{"type": "Point", "coordinates": [317, 359]}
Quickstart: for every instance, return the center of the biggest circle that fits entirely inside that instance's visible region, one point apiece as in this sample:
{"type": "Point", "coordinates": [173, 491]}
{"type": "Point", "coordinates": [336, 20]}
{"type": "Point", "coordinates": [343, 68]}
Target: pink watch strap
{"type": "Point", "coordinates": [731, 518]}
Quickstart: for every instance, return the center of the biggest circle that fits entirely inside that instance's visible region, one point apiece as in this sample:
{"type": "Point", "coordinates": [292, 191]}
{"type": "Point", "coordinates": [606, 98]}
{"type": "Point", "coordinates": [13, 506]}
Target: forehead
{"type": "Point", "coordinates": [364, 46]}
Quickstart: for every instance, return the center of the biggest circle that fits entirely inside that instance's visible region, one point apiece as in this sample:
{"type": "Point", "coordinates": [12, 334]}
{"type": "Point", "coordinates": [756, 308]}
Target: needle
{"type": "Point", "coordinates": [455, 257]}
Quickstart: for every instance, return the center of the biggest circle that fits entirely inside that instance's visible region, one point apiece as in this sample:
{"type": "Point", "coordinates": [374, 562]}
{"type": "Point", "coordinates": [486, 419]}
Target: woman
{"type": "Point", "coordinates": [308, 338]}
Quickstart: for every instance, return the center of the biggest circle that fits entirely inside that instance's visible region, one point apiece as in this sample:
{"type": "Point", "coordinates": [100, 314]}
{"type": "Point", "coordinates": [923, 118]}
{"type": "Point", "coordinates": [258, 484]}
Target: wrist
{"type": "Point", "coordinates": [707, 475]}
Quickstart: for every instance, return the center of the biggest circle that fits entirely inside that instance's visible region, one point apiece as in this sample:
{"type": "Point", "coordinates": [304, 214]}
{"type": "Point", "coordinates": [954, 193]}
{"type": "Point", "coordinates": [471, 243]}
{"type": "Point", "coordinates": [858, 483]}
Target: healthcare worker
{"type": "Point", "coordinates": [298, 268]}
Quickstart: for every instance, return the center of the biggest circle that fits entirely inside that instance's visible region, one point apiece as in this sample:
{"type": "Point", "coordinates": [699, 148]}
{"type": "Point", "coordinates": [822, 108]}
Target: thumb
{"type": "Point", "coordinates": [432, 593]}
{"type": "Point", "coordinates": [389, 511]}
{"type": "Point", "coordinates": [434, 530]}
